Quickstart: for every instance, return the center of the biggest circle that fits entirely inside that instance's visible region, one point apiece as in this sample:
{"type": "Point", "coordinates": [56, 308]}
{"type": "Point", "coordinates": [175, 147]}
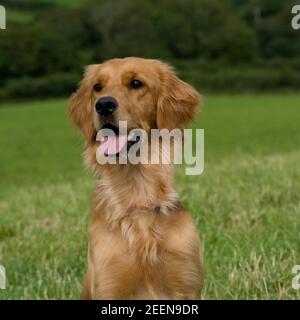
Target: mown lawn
{"type": "Point", "coordinates": [246, 204]}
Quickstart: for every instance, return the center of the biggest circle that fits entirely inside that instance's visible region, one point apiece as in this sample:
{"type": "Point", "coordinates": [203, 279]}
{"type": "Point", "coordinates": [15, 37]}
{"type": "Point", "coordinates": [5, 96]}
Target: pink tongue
{"type": "Point", "coordinates": [112, 145]}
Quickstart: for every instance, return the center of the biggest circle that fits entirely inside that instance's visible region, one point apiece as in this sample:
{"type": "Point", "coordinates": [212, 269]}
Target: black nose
{"type": "Point", "coordinates": [106, 105]}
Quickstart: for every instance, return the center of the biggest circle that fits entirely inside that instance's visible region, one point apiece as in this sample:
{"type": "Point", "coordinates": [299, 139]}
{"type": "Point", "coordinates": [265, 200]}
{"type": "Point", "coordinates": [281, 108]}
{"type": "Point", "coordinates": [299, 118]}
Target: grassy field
{"type": "Point", "coordinates": [246, 204]}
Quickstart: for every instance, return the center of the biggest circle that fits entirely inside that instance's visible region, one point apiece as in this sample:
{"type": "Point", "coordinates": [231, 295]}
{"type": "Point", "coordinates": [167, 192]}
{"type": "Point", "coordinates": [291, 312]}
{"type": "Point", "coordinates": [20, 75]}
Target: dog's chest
{"type": "Point", "coordinates": [134, 258]}
{"type": "Point", "coordinates": [144, 254]}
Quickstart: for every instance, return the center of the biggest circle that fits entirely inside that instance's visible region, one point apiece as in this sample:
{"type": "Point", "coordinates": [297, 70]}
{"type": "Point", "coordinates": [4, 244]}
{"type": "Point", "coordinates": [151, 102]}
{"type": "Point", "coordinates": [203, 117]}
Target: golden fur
{"type": "Point", "coordinates": [136, 252]}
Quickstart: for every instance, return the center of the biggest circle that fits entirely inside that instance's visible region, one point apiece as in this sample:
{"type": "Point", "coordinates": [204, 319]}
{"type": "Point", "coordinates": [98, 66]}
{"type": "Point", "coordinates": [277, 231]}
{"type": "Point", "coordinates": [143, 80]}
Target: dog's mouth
{"type": "Point", "coordinates": [114, 143]}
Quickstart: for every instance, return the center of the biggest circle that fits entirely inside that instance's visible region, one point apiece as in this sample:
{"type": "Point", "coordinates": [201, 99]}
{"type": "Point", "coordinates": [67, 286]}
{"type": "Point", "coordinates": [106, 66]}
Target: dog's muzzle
{"type": "Point", "coordinates": [113, 144]}
{"type": "Point", "coordinates": [106, 106]}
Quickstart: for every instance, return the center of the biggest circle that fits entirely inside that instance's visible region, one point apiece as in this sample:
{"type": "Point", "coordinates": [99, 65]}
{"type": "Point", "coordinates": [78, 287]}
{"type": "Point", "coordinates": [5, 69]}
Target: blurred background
{"type": "Point", "coordinates": [219, 46]}
{"type": "Point", "coordinates": [243, 57]}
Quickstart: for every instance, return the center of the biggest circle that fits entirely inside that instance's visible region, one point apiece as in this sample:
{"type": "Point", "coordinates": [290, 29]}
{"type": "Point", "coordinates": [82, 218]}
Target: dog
{"type": "Point", "coordinates": [142, 242]}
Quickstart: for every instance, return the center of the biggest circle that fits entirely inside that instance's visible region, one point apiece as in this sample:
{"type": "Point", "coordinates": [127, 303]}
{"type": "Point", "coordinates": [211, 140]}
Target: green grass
{"type": "Point", "coordinates": [246, 204]}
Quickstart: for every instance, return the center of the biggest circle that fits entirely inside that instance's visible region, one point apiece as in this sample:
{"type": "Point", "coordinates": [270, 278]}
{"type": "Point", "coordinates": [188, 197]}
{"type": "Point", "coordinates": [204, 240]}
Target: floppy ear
{"type": "Point", "coordinates": [80, 105]}
{"type": "Point", "coordinates": [177, 102]}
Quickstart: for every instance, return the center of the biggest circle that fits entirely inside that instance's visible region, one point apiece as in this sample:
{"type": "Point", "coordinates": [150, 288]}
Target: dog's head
{"type": "Point", "coordinates": [145, 93]}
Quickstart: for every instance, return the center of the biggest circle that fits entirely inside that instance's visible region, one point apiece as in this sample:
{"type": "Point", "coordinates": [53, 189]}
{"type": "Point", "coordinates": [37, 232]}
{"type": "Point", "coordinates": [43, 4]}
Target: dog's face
{"type": "Point", "coordinates": [145, 93]}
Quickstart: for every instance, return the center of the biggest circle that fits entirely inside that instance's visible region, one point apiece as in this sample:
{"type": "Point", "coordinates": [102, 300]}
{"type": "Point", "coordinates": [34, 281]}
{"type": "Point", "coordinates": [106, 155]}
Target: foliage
{"type": "Point", "coordinates": [54, 38]}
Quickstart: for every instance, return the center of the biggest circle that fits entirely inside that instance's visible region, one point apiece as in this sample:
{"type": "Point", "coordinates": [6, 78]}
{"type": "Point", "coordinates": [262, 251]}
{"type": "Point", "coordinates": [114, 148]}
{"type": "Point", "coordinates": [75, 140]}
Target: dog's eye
{"type": "Point", "coordinates": [97, 87]}
{"type": "Point", "coordinates": [135, 84]}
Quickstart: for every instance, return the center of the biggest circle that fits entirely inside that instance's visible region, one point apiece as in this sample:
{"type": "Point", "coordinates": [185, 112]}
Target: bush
{"type": "Point", "coordinates": [55, 85]}
{"type": "Point", "coordinates": [217, 45]}
{"type": "Point", "coordinates": [240, 80]}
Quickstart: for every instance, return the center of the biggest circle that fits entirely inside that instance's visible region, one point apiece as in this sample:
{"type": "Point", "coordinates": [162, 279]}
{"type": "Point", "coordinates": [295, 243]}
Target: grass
{"type": "Point", "coordinates": [246, 204]}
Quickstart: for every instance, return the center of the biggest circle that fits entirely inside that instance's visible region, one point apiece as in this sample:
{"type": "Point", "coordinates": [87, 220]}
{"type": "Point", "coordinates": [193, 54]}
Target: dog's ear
{"type": "Point", "coordinates": [80, 104]}
{"type": "Point", "coordinates": [177, 102]}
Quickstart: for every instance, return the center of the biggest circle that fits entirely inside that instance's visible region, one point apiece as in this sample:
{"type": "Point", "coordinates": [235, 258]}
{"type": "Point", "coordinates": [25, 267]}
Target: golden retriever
{"type": "Point", "coordinates": [142, 242]}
